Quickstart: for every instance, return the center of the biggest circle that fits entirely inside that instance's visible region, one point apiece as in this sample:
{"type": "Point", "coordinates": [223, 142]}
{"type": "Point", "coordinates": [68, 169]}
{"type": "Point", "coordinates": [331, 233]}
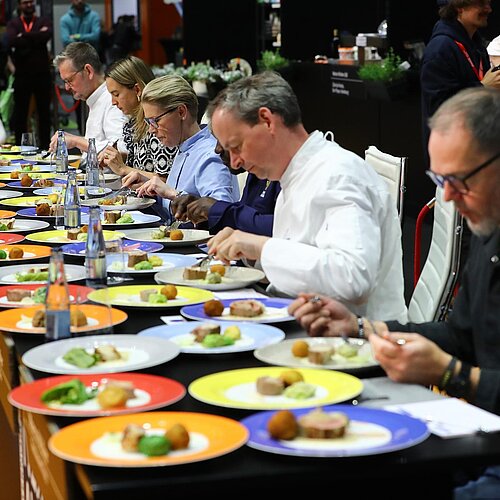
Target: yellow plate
{"type": "Point", "coordinates": [88, 442]}
{"type": "Point", "coordinates": [30, 252]}
{"type": "Point", "coordinates": [129, 296]}
{"type": "Point", "coordinates": [33, 175]}
{"type": "Point", "coordinates": [19, 320]}
{"type": "Point", "coordinates": [237, 388]}
{"type": "Point", "coordinates": [59, 236]}
{"type": "Point", "coordinates": [23, 201]}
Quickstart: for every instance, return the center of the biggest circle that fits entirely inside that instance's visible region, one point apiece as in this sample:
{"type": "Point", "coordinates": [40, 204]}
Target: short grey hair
{"type": "Point", "coordinates": [268, 89]}
{"type": "Point", "coordinates": [80, 54]}
{"type": "Point", "coordinates": [479, 110]}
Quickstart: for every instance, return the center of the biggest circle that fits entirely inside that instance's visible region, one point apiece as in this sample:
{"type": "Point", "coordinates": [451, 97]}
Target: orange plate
{"type": "Point", "coordinates": [12, 320]}
{"type": "Point", "coordinates": [31, 252]}
{"type": "Point", "coordinates": [210, 436]}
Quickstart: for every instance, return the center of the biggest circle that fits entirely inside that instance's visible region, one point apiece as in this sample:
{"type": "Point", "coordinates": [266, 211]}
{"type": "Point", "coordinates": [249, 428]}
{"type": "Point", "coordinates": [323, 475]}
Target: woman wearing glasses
{"type": "Point", "coordinates": [125, 81]}
{"type": "Point", "coordinates": [171, 108]}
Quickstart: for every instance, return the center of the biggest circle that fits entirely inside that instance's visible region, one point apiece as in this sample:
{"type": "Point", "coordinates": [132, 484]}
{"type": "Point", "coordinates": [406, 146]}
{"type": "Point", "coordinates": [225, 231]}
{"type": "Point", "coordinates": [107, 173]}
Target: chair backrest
{"type": "Point", "coordinates": [393, 170]}
{"type": "Point", "coordinates": [433, 292]}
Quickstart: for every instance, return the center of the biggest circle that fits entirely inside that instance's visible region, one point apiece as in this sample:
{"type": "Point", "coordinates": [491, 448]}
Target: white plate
{"type": "Point", "coordinates": [133, 203]}
{"type": "Point", "coordinates": [8, 273]}
{"type": "Point", "coordinates": [36, 168]}
{"type": "Point", "coordinates": [252, 336]}
{"type": "Point", "coordinates": [235, 277]}
{"type": "Point", "coordinates": [143, 352]}
{"type": "Point", "coordinates": [80, 177]}
{"type": "Point", "coordinates": [5, 194]}
{"type": "Point", "coordinates": [115, 264]}
{"type": "Point", "coordinates": [281, 355]}
{"type": "Point", "coordinates": [25, 225]}
{"type": "Point", "coordinates": [140, 219]}
{"type": "Point", "coordinates": [191, 237]}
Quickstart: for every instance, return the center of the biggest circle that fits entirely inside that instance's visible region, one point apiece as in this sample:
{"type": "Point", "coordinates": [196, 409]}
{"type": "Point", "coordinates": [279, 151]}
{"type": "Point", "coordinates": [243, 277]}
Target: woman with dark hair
{"type": "Point", "coordinates": [125, 80]}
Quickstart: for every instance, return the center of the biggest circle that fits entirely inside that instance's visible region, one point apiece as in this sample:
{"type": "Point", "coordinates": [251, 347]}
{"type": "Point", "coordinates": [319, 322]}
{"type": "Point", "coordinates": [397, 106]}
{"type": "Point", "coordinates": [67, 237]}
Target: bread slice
{"type": "Point", "coordinates": [270, 386]}
{"type": "Point", "coordinates": [320, 354]}
{"type": "Point", "coordinates": [135, 257]}
{"type": "Point", "coordinates": [194, 273]}
{"type": "Point", "coordinates": [248, 308]}
{"type": "Point", "coordinates": [319, 424]}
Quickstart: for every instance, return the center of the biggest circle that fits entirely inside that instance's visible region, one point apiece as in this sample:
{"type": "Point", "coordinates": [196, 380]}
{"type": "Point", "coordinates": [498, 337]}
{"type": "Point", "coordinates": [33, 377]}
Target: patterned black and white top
{"type": "Point", "coordinates": [149, 153]}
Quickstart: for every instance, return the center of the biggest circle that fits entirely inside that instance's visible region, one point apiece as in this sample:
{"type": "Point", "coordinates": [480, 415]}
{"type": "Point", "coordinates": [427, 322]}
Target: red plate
{"type": "Point", "coordinates": [75, 292]}
{"type": "Point", "coordinates": [152, 392]}
{"type": "Point", "coordinates": [7, 238]}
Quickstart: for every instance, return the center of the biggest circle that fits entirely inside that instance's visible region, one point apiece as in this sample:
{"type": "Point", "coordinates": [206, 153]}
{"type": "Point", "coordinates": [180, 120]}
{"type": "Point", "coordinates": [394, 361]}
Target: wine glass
{"type": "Point", "coordinates": [27, 143]}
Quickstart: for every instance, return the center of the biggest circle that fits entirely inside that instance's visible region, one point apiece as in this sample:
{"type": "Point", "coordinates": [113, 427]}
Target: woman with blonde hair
{"type": "Point", "coordinates": [125, 80]}
{"type": "Point", "coordinates": [171, 109]}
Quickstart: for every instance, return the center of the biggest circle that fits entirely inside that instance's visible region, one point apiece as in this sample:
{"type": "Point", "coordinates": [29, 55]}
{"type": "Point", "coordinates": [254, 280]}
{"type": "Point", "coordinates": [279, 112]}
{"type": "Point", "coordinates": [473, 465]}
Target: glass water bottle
{"type": "Point", "coordinates": [72, 206]}
{"type": "Point", "coordinates": [61, 153]}
{"type": "Point", "coordinates": [95, 251]}
{"type": "Point", "coordinates": [92, 165]}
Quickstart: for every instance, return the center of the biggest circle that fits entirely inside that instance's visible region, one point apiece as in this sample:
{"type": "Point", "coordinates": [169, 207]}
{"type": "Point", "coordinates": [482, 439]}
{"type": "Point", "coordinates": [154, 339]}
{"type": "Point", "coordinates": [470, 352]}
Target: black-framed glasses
{"type": "Point", "coordinates": [69, 81]}
{"type": "Point", "coordinates": [153, 121]}
{"type": "Point", "coordinates": [458, 183]}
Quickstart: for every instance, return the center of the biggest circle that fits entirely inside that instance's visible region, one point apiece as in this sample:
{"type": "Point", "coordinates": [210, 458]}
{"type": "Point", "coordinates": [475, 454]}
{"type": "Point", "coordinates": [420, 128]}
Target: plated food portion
{"type": "Point", "coordinates": [263, 310]}
{"type": "Point", "coordinates": [58, 236]}
{"type": "Point", "coordinates": [46, 210]}
{"type": "Point", "coordinates": [148, 439]}
{"type": "Point", "coordinates": [332, 353]}
{"type": "Point", "coordinates": [84, 318]}
{"type": "Point", "coordinates": [333, 431]}
{"type": "Point", "coordinates": [178, 237]}
{"type": "Point", "coordinates": [120, 202]}
{"type": "Point", "coordinates": [196, 337]}
{"type": "Point", "coordinates": [135, 353]}
{"type": "Point", "coordinates": [38, 202]}
{"type": "Point", "coordinates": [150, 296]}
{"type": "Point", "coordinates": [10, 253]}
{"type": "Point", "coordinates": [113, 247]}
{"type": "Point", "coordinates": [124, 218]}
{"type": "Point", "coordinates": [140, 262]}
{"type": "Point", "coordinates": [16, 175]}
{"type": "Point", "coordinates": [21, 225]}
{"type": "Point", "coordinates": [96, 395]}
{"type": "Point", "coordinates": [30, 273]}
{"type": "Point", "coordinates": [275, 387]}
{"type": "Point", "coordinates": [29, 295]}
{"type": "Point", "coordinates": [216, 277]}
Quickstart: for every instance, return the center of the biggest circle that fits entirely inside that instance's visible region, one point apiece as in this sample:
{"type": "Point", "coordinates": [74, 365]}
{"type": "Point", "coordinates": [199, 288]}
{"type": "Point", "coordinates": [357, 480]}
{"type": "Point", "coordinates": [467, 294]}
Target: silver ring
{"type": "Point", "coordinates": [401, 341]}
{"type": "Point", "coordinates": [315, 300]}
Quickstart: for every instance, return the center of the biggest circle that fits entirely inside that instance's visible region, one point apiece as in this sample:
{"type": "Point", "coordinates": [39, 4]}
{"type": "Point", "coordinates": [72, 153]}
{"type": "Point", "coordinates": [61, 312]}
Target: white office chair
{"type": "Point", "coordinates": [393, 170]}
{"type": "Point", "coordinates": [435, 285]}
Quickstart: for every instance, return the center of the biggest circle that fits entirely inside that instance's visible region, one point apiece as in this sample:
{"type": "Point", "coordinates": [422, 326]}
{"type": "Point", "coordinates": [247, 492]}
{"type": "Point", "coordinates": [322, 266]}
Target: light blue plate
{"type": "Point", "coordinates": [253, 336]}
{"type": "Point", "coordinates": [78, 249]}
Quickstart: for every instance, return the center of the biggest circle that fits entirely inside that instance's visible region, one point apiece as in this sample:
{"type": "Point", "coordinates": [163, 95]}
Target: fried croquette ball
{"type": "Point", "coordinates": [14, 174]}
{"type": "Point", "coordinates": [218, 268]}
{"type": "Point", "coordinates": [15, 253]}
{"type": "Point", "coordinates": [176, 234]}
{"type": "Point", "coordinates": [283, 425]}
{"type": "Point", "coordinates": [170, 291]}
{"type": "Point", "coordinates": [178, 437]}
{"type": "Point", "coordinates": [77, 318]}
{"type": "Point", "coordinates": [300, 348]}
{"type": "Point", "coordinates": [213, 307]}
{"type": "Point", "coordinates": [26, 181]}
{"type": "Point", "coordinates": [289, 377]}
{"type": "Point", "coordinates": [84, 228]}
{"type": "Point", "coordinates": [112, 396]}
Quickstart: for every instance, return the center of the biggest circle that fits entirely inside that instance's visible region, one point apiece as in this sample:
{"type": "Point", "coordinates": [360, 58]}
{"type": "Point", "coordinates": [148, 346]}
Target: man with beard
{"type": "Point", "coordinates": [460, 355]}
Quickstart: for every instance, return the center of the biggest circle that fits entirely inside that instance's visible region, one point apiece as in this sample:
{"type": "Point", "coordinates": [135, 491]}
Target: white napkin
{"type": "Point", "coordinates": [450, 417]}
{"type": "Point", "coordinates": [172, 320]}
{"type": "Point", "coordinates": [241, 293]}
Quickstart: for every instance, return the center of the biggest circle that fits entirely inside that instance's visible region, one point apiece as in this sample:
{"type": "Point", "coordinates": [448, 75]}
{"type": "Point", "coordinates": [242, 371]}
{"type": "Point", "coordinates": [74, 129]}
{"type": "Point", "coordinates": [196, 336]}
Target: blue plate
{"type": "Point", "coordinates": [170, 260]}
{"type": "Point", "coordinates": [276, 312]}
{"type": "Point", "coordinates": [253, 336]}
{"type": "Point", "coordinates": [79, 248]}
{"type": "Point", "coordinates": [370, 432]}
{"type": "Point", "coordinates": [31, 212]}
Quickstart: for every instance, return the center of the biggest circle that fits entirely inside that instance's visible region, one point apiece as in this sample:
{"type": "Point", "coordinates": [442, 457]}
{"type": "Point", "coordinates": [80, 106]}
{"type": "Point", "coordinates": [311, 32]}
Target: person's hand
{"type": "Point", "coordinates": [156, 186]}
{"type": "Point", "coordinates": [322, 316]}
{"type": "Point", "coordinates": [230, 244]}
{"type": "Point", "coordinates": [53, 143]}
{"type": "Point", "coordinates": [112, 158]}
{"type": "Point", "coordinates": [134, 179]}
{"type": "Point", "coordinates": [179, 205]}
{"type": "Point", "coordinates": [409, 357]}
{"type": "Point", "coordinates": [197, 211]}
{"type": "Point", "coordinates": [491, 79]}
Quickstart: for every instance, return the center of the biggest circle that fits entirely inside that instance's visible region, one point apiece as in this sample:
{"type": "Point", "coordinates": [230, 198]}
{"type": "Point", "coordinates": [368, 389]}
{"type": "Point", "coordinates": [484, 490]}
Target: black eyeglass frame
{"type": "Point", "coordinates": [153, 121]}
{"type": "Point", "coordinates": [462, 187]}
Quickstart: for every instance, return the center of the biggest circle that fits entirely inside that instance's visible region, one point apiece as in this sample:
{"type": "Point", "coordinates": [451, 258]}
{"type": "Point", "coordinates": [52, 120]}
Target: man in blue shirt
{"type": "Point", "coordinates": [80, 24]}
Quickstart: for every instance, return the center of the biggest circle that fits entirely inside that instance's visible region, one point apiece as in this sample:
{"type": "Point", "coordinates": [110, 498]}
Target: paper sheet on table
{"type": "Point", "coordinates": [450, 417]}
{"type": "Point", "coordinates": [242, 293]}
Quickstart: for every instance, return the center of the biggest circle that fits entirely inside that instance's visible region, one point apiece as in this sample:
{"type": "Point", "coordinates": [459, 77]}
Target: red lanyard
{"type": "Point", "coordinates": [479, 73]}
{"type": "Point", "coordinates": [27, 27]}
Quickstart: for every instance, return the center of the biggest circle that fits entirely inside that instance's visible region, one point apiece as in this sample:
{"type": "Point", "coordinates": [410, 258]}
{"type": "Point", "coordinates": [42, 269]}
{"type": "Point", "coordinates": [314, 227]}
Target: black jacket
{"type": "Point", "coordinates": [445, 69]}
{"type": "Point", "coordinates": [472, 332]}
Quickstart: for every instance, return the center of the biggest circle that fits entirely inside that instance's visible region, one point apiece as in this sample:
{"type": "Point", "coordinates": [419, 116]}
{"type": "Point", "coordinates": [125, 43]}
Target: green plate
{"type": "Point", "coordinates": [129, 296]}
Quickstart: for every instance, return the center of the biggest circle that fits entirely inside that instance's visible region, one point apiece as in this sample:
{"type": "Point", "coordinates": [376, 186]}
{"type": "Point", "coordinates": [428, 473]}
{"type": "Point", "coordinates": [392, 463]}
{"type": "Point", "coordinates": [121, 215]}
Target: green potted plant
{"type": "Point", "coordinates": [272, 60]}
{"type": "Point", "coordinates": [385, 80]}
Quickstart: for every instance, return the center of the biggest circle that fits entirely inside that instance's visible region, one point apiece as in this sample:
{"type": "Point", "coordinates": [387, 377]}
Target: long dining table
{"type": "Point", "coordinates": [424, 469]}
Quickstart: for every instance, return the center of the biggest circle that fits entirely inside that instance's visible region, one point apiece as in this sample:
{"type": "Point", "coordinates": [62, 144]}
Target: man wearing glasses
{"type": "Point", "coordinates": [460, 355]}
{"type": "Point", "coordinates": [81, 71]}
{"type": "Point", "coordinates": [27, 37]}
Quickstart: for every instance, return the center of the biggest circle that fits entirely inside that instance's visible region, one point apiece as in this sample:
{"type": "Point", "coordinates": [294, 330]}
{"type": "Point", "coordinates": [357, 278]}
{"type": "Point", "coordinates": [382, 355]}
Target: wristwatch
{"type": "Point", "coordinates": [459, 384]}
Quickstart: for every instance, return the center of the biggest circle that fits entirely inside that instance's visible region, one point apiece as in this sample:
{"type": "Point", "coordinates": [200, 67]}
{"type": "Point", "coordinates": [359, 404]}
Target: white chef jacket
{"type": "Point", "coordinates": [105, 121]}
{"type": "Point", "coordinates": [337, 232]}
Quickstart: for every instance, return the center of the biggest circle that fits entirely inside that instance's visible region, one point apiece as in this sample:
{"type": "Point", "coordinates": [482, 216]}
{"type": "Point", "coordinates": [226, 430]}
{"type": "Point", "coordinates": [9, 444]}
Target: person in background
{"type": "Point", "coordinates": [27, 38]}
{"type": "Point", "coordinates": [459, 355]}
{"type": "Point", "coordinates": [455, 56]}
{"type": "Point", "coordinates": [254, 212]}
{"type": "Point", "coordinates": [171, 109]}
{"type": "Point", "coordinates": [124, 39]}
{"type": "Point", "coordinates": [125, 81]}
{"type": "Point", "coordinates": [81, 70]}
{"type": "Point", "coordinates": [494, 52]}
{"type": "Point", "coordinates": [80, 24]}
{"type": "Point", "coordinates": [336, 228]}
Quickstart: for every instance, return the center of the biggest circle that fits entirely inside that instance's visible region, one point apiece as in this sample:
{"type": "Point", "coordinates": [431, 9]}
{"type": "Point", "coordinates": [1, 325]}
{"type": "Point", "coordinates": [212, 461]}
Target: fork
{"type": "Point", "coordinates": [204, 263]}
{"type": "Point", "coordinates": [124, 191]}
